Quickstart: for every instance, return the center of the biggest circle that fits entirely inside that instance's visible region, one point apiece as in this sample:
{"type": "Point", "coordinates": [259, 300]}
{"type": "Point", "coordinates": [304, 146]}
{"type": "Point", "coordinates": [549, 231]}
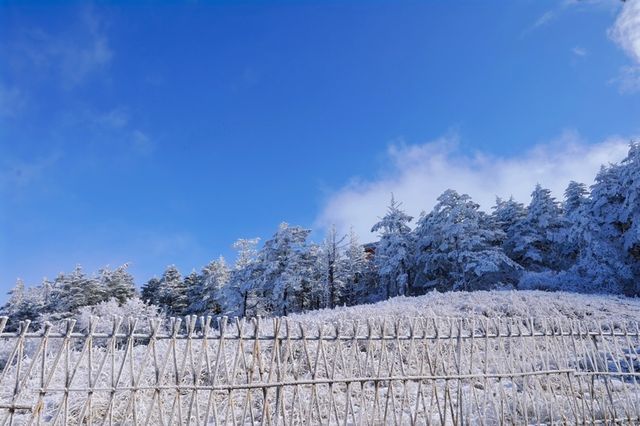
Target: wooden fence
{"type": "Point", "coordinates": [276, 371]}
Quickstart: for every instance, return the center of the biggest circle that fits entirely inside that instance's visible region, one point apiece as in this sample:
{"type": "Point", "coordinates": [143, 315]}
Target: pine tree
{"type": "Point", "coordinates": [14, 306]}
{"type": "Point", "coordinates": [507, 216]}
{"type": "Point", "coordinates": [630, 212]}
{"type": "Point", "coordinates": [601, 265]}
{"type": "Point", "coordinates": [17, 296]}
{"type": "Point", "coordinates": [118, 283]}
{"type": "Point", "coordinates": [575, 197]}
{"type": "Point", "coordinates": [331, 264]}
{"type": "Point", "coordinates": [173, 292]}
{"type": "Point", "coordinates": [285, 259]}
{"type": "Point", "coordinates": [151, 292]}
{"type": "Point", "coordinates": [244, 277]}
{"type": "Point", "coordinates": [23, 304]}
{"type": "Point", "coordinates": [75, 290]}
{"type": "Point", "coordinates": [352, 272]}
{"type": "Point", "coordinates": [209, 297]}
{"type": "Point", "coordinates": [393, 251]}
{"type": "Point", "coordinates": [458, 247]}
{"type": "Point", "coordinates": [313, 275]}
{"type": "Point", "coordinates": [540, 235]}
{"type": "Point", "coordinates": [193, 283]}
{"type": "Point", "coordinates": [575, 203]}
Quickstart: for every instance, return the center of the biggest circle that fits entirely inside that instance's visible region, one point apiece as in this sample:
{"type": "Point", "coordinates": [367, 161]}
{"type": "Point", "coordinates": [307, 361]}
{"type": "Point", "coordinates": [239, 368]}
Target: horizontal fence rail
{"type": "Point", "coordinates": [202, 371]}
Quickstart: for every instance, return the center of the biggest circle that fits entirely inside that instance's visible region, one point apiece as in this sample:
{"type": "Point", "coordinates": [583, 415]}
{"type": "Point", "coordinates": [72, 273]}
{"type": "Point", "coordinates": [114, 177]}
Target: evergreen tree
{"type": "Point", "coordinates": [458, 247]}
{"type": "Point", "coordinates": [285, 259]}
{"type": "Point", "coordinates": [244, 278]}
{"type": "Point", "coordinates": [630, 212]}
{"type": "Point", "coordinates": [353, 269]}
{"type": "Point", "coordinates": [507, 216]}
{"type": "Point", "coordinates": [209, 297]}
{"type": "Point", "coordinates": [173, 292]}
{"type": "Point", "coordinates": [151, 292]}
{"type": "Point", "coordinates": [575, 203]}
{"type": "Point", "coordinates": [118, 283]}
{"type": "Point", "coordinates": [46, 290]}
{"type": "Point", "coordinates": [73, 291]}
{"type": "Point", "coordinates": [603, 264]}
{"type": "Point", "coordinates": [331, 265]}
{"type": "Point", "coordinates": [193, 284]}
{"type": "Point", "coordinates": [23, 304]}
{"type": "Point", "coordinates": [575, 197]}
{"type": "Point", "coordinates": [16, 298]}
{"type": "Point", "coordinates": [313, 275]}
{"type": "Point", "coordinates": [540, 235]}
{"type": "Point", "coordinates": [393, 251]}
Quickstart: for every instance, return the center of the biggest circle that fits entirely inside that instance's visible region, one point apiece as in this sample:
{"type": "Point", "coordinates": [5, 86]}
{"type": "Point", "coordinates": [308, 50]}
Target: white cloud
{"type": "Point", "coordinates": [628, 79]}
{"type": "Point", "coordinates": [116, 118]}
{"type": "Point", "coordinates": [420, 173]}
{"type": "Point", "coordinates": [625, 32]}
{"type": "Point", "coordinates": [69, 57]}
{"type": "Point", "coordinates": [561, 7]}
{"type": "Point", "coordinates": [117, 128]}
{"type": "Point", "coordinates": [580, 51]}
{"type": "Point", "coordinates": [544, 19]}
{"type": "Point", "coordinates": [142, 143]}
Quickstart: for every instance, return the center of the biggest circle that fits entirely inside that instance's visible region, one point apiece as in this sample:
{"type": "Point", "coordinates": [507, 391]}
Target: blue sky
{"type": "Point", "coordinates": [159, 134]}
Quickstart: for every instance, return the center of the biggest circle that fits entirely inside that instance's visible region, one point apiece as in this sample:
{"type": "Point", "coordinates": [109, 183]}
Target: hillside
{"type": "Point", "coordinates": [347, 365]}
{"type": "Point", "coordinates": [496, 303]}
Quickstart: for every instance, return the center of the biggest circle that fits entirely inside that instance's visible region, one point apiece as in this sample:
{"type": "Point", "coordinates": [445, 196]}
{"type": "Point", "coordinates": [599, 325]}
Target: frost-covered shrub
{"type": "Point", "coordinates": [546, 280]}
{"type": "Point", "coordinates": [133, 308]}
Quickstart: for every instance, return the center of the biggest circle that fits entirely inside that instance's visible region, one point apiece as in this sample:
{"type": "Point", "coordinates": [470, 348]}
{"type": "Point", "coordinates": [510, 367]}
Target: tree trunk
{"type": "Point", "coordinates": [284, 306]}
{"type": "Point", "coordinates": [245, 296]}
{"type": "Point", "coordinates": [331, 285]}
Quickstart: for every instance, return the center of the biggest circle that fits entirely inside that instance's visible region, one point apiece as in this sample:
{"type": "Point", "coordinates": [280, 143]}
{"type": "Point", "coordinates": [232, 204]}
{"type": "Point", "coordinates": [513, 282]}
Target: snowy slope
{"type": "Point", "coordinates": [492, 304]}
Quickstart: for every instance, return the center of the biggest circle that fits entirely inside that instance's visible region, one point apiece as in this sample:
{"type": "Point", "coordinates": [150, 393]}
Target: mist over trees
{"type": "Point", "coordinates": [588, 242]}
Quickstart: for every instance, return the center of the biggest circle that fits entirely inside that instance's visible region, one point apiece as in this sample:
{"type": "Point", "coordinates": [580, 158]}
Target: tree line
{"type": "Point", "coordinates": [588, 242]}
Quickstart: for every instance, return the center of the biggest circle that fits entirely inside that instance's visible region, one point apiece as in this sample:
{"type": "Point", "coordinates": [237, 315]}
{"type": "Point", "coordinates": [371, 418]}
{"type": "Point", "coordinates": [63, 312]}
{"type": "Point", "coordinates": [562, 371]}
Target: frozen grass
{"type": "Point", "coordinates": [493, 374]}
{"type": "Point", "coordinates": [492, 304]}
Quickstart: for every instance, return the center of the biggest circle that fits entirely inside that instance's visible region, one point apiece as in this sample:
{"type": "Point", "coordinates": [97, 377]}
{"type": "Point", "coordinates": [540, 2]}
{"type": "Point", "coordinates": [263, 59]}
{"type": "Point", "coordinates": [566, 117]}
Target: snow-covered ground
{"type": "Point", "coordinates": [492, 304]}
{"type": "Point", "coordinates": [395, 362]}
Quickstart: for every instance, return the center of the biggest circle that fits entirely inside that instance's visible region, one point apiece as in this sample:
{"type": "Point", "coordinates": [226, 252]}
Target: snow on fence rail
{"type": "Point", "coordinates": [278, 371]}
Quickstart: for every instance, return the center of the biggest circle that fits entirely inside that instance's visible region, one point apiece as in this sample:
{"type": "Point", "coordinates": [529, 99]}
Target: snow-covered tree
{"type": "Point", "coordinates": [630, 210]}
{"type": "Point", "coordinates": [457, 247]}
{"type": "Point", "coordinates": [313, 280]}
{"type": "Point", "coordinates": [208, 297]}
{"type": "Point", "coordinates": [173, 292]}
{"type": "Point", "coordinates": [507, 216]}
{"type": "Point", "coordinates": [245, 277]}
{"type": "Point", "coordinates": [575, 197]}
{"type": "Point", "coordinates": [602, 264]}
{"type": "Point", "coordinates": [331, 265]}
{"type": "Point", "coordinates": [394, 250]}
{"type": "Point", "coordinates": [193, 284]}
{"type": "Point", "coordinates": [118, 283]}
{"type": "Point", "coordinates": [16, 299]}
{"type": "Point", "coordinates": [540, 235]}
{"type": "Point", "coordinates": [575, 203]}
{"type": "Point", "coordinates": [72, 291]}
{"type": "Point", "coordinates": [285, 262]}
{"type": "Point", "coordinates": [24, 303]}
{"type": "Point", "coordinates": [151, 292]}
{"type": "Point", "coordinates": [353, 270]}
